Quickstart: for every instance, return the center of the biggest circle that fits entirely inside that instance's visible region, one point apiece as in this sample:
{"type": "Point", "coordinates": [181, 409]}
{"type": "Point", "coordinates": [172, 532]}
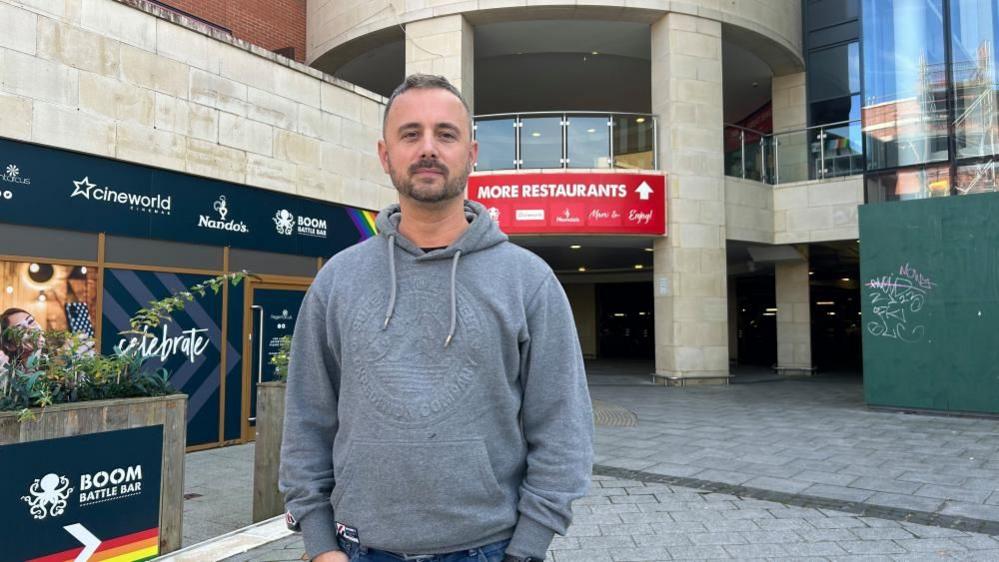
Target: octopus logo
{"type": "Point", "coordinates": [284, 221]}
{"type": "Point", "coordinates": [48, 496]}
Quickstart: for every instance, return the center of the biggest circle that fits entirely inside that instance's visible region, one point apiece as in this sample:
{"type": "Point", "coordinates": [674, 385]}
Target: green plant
{"type": "Point", "coordinates": [281, 358]}
{"type": "Point", "coordinates": [55, 367]}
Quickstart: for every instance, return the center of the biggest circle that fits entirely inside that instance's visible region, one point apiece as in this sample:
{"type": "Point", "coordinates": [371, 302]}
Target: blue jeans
{"type": "Point", "coordinates": [489, 553]}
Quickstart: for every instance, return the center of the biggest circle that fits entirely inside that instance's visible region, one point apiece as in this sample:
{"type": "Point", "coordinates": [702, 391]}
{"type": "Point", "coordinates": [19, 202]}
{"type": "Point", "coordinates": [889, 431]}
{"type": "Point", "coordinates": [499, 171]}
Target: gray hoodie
{"type": "Point", "coordinates": [436, 401]}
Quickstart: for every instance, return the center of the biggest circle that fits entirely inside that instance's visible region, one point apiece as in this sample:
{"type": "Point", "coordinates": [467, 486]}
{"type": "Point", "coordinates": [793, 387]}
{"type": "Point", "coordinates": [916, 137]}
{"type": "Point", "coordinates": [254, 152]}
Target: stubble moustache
{"type": "Point", "coordinates": [406, 185]}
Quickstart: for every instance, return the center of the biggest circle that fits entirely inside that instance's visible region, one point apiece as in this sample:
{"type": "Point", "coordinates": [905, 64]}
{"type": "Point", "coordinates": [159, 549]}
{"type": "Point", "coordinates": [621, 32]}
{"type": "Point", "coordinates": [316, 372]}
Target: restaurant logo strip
{"type": "Point", "coordinates": [573, 203]}
{"type": "Point", "coordinates": [157, 205]}
{"type": "Point", "coordinates": [221, 207]}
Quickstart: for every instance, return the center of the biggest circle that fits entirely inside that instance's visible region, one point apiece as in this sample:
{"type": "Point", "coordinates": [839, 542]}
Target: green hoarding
{"type": "Point", "coordinates": [930, 293]}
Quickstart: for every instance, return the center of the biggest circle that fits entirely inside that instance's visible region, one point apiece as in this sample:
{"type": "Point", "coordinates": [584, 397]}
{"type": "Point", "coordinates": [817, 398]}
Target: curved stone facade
{"type": "Point", "coordinates": [770, 28]}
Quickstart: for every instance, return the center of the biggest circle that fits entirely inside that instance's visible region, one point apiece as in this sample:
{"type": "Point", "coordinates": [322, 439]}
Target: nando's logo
{"type": "Point", "coordinates": [221, 207]}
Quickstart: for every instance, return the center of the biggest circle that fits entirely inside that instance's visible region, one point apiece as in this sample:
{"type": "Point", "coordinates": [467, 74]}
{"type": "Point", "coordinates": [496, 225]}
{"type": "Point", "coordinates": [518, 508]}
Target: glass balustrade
{"type": "Point", "coordinates": [820, 152]}
{"type": "Point", "coordinates": [566, 140]}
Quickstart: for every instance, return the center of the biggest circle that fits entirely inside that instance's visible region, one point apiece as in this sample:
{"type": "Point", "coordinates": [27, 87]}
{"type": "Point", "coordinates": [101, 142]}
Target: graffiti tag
{"type": "Point", "coordinates": [896, 300]}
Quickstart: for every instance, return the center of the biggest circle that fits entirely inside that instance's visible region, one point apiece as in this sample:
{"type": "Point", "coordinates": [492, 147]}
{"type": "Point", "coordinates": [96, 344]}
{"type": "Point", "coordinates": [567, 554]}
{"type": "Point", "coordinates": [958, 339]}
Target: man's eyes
{"type": "Point", "coordinates": [447, 135]}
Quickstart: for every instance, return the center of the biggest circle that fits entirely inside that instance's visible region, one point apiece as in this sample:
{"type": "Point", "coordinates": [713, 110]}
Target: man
{"type": "Point", "coordinates": [437, 406]}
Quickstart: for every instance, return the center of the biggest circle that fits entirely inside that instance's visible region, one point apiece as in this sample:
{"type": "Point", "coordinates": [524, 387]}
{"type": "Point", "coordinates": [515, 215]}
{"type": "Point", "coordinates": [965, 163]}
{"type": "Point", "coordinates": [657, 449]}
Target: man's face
{"type": "Point", "coordinates": [427, 149]}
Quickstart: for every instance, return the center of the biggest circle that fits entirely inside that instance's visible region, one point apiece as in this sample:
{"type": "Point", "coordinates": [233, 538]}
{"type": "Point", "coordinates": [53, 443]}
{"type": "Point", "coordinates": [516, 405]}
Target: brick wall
{"type": "Point", "coordinates": [271, 24]}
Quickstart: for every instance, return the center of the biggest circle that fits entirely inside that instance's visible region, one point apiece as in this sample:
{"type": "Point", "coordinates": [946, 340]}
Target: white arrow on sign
{"type": "Point", "coordinates": [643, 191]}
{"type": "Point", "coordinates": [89, 541]}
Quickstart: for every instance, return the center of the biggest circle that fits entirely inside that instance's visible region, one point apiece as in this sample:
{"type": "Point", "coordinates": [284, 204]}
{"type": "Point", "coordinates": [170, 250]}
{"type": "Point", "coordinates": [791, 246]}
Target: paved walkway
{"type": "Point", "coordinates": [775, 469]}
{"type": "Point", "coordinates": [631, 521]}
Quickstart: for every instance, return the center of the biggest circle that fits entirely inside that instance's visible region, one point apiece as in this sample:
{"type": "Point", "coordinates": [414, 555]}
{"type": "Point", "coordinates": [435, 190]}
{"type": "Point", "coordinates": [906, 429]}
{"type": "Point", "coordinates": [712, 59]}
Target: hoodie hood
{"type": "Point", "coordinates": [482, 233]}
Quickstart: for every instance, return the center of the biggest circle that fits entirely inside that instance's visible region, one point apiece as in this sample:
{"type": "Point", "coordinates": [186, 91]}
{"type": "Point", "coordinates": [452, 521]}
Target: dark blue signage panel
{"type": "Point", "coordinates": [189, 347]}
{"type": "Point", "coordinates": [48, 187]}
{"type": "Point", "coordinates": [274, 315]}
{"type": "Point", "coordinates": [98, 492]}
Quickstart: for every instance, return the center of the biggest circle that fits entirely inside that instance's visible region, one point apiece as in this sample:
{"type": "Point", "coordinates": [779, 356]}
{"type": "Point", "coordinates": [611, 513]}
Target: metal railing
{"type": "Point", "coordinates": [566, 140]}
{"type": "Point", "coordinates": [822, 151]}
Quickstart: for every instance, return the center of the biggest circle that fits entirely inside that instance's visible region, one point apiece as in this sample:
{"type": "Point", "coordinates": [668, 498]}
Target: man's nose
{"type": "Point", "coordinates": [428, 148]}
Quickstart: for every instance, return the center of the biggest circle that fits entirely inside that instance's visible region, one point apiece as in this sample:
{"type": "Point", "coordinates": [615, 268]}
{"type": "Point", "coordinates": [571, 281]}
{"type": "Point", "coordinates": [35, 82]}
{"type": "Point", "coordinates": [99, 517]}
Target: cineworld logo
{"type": "Point", "coordinates": [158, 205]}
{"type": "Point", "coordinates": [12, 174]}
{"type": "Point", "coordinates": [285, 223]}
{"type": "Point", "coordinates": [221, 207]}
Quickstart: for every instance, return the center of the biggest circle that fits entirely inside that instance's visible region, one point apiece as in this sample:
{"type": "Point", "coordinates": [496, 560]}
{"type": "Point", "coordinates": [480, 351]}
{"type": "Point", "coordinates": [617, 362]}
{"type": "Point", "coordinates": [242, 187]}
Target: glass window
{"type": "Point", "coordinates": [916, 183]}
{"type": "Point", "coordinates": [974, 30]}
{"type": "Point", "coordinates": [834, 72]}
{"type": "Point", "coordinates": [634, 142]}
{"type": "Point", "coordinates": [980, 177]}
{"type": "Point", "coordinates": [497, 139]}
{"type": "Point", "coordinates": [587, 142]}
{"type": "Point", "coordinates": [905, 98]}
{"type": "Point", "coordinates": [58, 297]}
{"type": "Point", "coordinates": [541, 142]}
{"type": "Point", "coordinates": [836, 110]}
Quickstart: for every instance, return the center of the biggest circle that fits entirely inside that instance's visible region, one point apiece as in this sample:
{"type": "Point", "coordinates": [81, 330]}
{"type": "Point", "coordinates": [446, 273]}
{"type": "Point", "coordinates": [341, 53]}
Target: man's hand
{"type": "Point", "coordinates": [332, 556]}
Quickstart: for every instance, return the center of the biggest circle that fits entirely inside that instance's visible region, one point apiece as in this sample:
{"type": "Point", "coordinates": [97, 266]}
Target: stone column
{"type": "Point", "coordinates": [794, 326]}
{"type": "Point", "coordinates": [444, 46]}
{"type": "Point", "coordinates": [691, 308]}
{"type": "Point", "coordinates": [790, 114]}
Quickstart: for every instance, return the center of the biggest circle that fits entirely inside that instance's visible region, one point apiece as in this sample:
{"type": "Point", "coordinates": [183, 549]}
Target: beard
{"type": "Point", "coordinates": [428, 192]}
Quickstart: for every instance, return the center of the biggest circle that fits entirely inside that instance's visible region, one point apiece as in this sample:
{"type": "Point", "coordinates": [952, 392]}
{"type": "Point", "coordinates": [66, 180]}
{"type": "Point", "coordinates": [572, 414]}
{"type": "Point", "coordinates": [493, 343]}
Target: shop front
{"type": "Point", "coordinates": [87, 241]}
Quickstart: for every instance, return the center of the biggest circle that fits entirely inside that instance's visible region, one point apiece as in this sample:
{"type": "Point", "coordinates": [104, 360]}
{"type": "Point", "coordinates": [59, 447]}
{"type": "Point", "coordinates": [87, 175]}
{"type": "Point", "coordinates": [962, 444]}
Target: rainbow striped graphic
{"type": "Point", "coordinates": [364, 221]}
{"type": "Point", "coordinates": [144, 545]}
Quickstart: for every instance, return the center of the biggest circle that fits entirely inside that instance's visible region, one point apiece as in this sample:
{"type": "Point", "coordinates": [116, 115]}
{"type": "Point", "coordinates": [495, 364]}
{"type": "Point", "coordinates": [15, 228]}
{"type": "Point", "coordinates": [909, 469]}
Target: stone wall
{"type": "Point", "coordinates": [115, 80]}
{"type": "Point", "coordinates": [331, 23]}
{"type": "Point", "coordinates": [749, 211]}
{"type": "Point", "coordinates": [817, 211]}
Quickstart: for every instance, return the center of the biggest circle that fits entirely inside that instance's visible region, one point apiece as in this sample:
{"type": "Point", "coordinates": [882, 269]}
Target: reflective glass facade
{"type": "Point", "coordinates": [929, 97]}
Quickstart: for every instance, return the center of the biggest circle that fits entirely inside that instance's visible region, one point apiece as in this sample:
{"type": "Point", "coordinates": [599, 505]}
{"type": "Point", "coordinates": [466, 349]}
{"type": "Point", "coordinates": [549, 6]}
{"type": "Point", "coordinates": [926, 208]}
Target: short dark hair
{"type": "Point", "coordinates": [426, 82]}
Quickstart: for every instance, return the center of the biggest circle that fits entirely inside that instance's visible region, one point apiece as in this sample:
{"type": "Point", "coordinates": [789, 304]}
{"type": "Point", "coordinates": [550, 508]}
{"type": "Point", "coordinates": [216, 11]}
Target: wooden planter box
{"type": "Point", "coordinates": [81, 418]}
{"type": "Point", "coordinates": [267, 500]}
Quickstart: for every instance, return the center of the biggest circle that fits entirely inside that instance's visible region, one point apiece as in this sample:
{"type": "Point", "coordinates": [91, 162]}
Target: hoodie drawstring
{"type": "Point", "coordinates": [454, 298]}
{"type": "Point", "coordinates": [392, 290]}
{"type": "Point", "coordinates": [391, 260]}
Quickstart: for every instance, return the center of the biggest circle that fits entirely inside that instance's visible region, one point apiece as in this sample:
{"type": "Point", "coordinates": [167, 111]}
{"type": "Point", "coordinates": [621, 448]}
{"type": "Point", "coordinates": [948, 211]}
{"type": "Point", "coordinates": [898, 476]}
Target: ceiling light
{"type": "Point", "coordinates": [770, 314]}
{"type": "Point", "coordinates": [535, 134]}
{"type": "Point", "coordinates": [825, 303]}
{"type": "Point", "coordinates": [641, 314]}
{"type": "Point", "coordinates": [10, 290]}
{"type": "Point", "coordinates": [639, 266]}
{"type": "Point", "coordinates": [83, 269]}
{"type": "Point", "coordinates": [33, 268]}
{"type": "Point", "coordinates": [575, 247]}
{"type": "Point", "coordinates": [594, 52]}
{"type": "Point", "coordinates": [845, 279]}
{"type": "Point", "coordinates": [830, 313]}
{"type": "Point", "coordinates": [640, 120]}
{"type": "Point", "coordinates": [582, 269]}
{"type": "Point", "coordinates": [811, 273]}
{"type": "Point", "coordinates": [591, 130]}
{"type": "Point", "coordinates": [772, 309]}
{"type": "Point", "coordinates": [649, 250]}
{"type": "Point", "coordinates": [41, 296]}
{"type": "Point", "coordinates": [619, 315]}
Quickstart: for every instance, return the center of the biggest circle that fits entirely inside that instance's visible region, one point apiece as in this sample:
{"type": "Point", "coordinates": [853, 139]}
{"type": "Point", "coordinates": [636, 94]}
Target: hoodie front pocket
{"type": "Point", "coordinates": [402, 495]}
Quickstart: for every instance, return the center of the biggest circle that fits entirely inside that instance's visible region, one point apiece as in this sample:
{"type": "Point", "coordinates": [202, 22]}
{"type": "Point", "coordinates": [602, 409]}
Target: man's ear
{"type": "Point", "coordinates": [383, 154]}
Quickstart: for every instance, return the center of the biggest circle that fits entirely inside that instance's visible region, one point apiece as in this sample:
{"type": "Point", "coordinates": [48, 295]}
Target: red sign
{"type": "Point", "coordinates": [573, 203]}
